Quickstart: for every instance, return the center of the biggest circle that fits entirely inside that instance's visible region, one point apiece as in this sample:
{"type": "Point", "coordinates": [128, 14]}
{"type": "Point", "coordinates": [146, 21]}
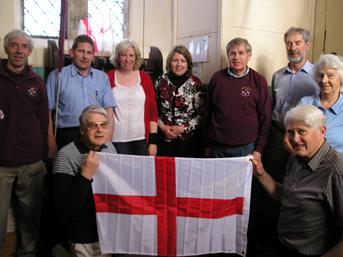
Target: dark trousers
{"type": "Point", "coordinates": [189, 147]}
{"type": "Point", "coordinates": [274, 159]}
{"type": "Point", "coordinates": [65, 136]}
{"type": "Point", "coordinates": [24, 186]}
{"type": "Point", "coordinates": [138, 147]}
{"type": "Point", "coordinates": [283, 251]}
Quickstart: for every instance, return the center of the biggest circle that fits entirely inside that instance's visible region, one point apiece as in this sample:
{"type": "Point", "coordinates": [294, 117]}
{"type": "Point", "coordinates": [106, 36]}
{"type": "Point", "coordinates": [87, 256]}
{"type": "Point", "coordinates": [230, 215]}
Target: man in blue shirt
{"type": "Point", "coordinates": [289, 85]}
{"type": "Point", "coordinates": [80, 86]}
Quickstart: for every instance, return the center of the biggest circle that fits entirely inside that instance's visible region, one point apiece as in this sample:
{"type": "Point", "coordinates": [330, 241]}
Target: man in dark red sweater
{"type": "Point", "coordinates": [23, 142]}
{"type": "Point", "coordinates": [239, 109]}
{"type": "Point", "coordinates": [238, 117]}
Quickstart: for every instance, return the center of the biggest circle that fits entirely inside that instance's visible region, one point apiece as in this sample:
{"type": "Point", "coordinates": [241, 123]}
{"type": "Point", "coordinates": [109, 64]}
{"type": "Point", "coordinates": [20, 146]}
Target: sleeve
{"type": "Point", "coordinates": [164, 104]}
{"type": "Point", "coordinates": [264, 115]}
{"type": "Point", "coordinates": [70, 189]}
{"type": "Point", "coordinates": [272, 90]}
{"type": "Point", "coordinates": [198, 103]}
{"type": "Point", "coordinates": [43, 116]}
{"type": "Point", "coordinates": [51, 89]}
{"type": "Point", "coordinates": [335, 199]}
{"type": "Point", "coordinates": [150, 96]}
{"type": "Point", "coordinates": [207, 112]}
{"type": "Point", "coordinates": [110, 75]}
{"type": "Point", "coordinates": [108, 98]}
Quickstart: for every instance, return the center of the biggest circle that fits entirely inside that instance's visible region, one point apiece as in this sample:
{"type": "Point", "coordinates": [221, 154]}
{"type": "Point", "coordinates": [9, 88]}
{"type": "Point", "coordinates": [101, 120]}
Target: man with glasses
{"type": "Point", "coordinates": [74, 168]}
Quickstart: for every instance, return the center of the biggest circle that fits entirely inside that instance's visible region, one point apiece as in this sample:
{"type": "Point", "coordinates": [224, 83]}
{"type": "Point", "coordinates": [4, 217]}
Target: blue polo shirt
{"type": "Point", "coordinates": [334, 120]}
{"type": "Point", "coordinates": [288, 88]}
{"type": "Point", "coordinates": [78, 92]}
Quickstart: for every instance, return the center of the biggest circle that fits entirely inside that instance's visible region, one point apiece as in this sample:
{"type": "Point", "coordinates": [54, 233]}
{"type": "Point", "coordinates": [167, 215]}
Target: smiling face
{"type": "Point", "coordinates": [18, 51]}
{"type": "Point", "coordinates": [94, 133]}
{"type": "Point", "coordinates": [296, 48]}
{"type": "Point", "coordinates": [178, 64]}
{"type": "Point", "coordinates": [83, 56]}
{"type": "Point", "coordinates": [305, 141]}
{"type": "Point", "coordinates": [238, 59]}
{"type": "Point", "coordinates": [329, 81]}
{"type": "Point", "coordinates": [127, 59]}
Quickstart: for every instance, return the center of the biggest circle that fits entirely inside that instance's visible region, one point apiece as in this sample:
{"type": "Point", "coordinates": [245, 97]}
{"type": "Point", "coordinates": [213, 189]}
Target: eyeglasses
{"type": "Point", "coordinates": [96, 125]}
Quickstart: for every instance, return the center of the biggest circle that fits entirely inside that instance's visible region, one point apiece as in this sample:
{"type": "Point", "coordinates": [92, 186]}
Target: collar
{"type": "Point", "coordinates": [84, 148]}
{"type": "Point", "coordinates": [75, 71]}
{"type": "Point", "coordinates": [307, 68]}
{"type": "Point", "coordinates": [23, 73]}
{"type": "Point", "coordinates": [336, 108]}
{"type": "Point", "coordinates": [316, 159]}
{"type": "Point", "coordinates": [238, 76]}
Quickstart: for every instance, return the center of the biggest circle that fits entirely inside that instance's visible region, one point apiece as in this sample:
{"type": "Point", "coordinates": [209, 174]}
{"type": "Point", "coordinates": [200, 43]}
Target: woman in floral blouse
{"type": "Point", "coordinates": [180, 102]}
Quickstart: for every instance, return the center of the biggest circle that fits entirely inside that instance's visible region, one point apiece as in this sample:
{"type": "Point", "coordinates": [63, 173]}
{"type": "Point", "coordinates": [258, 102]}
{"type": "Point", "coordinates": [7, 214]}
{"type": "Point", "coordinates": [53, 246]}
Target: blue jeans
{"type": "Point", "coordinates": [220, 151]}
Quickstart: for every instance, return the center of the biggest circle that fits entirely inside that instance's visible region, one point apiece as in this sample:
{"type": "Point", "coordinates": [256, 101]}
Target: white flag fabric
{"type": "Point", "coordinates": [172, 206]}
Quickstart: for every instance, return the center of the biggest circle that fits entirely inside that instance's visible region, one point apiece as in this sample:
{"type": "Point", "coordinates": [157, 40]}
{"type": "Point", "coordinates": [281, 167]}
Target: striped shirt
{"type": "Point", "coordinates": [311, 216]}
{"type": "Point", "coordinates": [73, 193]}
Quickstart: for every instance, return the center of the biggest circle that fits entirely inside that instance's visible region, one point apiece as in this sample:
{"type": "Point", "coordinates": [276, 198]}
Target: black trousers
{"type": "Point", "coordinates": [65, 136]}
{"type": "Point", "coordinates": [284, 251]}
{"type": "Point", "coordinates": [190, 147]}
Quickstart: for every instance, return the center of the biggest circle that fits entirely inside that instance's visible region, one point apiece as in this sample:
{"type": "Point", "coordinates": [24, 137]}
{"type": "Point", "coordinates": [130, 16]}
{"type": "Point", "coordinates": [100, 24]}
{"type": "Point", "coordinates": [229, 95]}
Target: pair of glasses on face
{"type": "Point", "coordinates": [97, 125]}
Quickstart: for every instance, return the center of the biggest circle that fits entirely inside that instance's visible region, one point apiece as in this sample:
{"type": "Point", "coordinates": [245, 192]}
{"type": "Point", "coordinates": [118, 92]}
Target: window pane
{"type": "Point", "coordinates": [107, 20]}
{"type": "Point", "coordinates": [42, 17]}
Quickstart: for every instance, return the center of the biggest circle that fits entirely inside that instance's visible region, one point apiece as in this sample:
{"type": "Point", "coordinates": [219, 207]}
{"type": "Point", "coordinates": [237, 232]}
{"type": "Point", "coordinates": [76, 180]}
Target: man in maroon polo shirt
{"type": "Point", "coordinates": [23, 142]}
{"type": "Point", "coordinates": [238, 117]}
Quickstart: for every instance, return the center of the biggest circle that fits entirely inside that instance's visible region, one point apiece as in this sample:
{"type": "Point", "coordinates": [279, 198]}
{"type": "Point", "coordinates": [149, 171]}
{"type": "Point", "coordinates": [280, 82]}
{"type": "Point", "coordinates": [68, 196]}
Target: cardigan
{"type": "Point", "coordinates": [150, 107]}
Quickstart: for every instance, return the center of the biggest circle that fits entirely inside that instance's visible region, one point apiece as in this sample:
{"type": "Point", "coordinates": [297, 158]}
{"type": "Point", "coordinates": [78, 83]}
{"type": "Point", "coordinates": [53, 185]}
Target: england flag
{"type": "Point", "coordinates": [172, 206]}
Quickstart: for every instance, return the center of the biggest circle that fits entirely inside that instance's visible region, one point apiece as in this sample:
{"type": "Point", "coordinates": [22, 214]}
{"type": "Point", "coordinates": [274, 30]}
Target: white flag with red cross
{"type": "Point", "coordinates": [172, 206]}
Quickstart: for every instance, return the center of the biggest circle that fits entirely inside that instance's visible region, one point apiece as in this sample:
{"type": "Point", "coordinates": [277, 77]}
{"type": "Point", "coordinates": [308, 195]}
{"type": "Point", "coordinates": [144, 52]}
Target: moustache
{"type": "Point", "coordinates": [294, 52]}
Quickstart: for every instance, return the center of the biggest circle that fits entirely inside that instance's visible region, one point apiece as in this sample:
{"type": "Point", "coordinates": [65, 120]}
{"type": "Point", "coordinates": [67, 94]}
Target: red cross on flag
{"type": "Point", "coordinates": [172, 206]}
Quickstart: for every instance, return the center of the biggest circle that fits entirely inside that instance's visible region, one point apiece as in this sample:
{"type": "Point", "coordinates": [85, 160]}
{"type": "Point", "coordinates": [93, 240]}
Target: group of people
{"type": "Point", "coordinates": [293, 136]}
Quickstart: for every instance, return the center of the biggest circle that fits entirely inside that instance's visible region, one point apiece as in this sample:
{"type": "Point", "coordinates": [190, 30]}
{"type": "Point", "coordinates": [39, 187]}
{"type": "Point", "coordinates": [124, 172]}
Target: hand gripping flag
{"type": "Point", "coordinates": [172, 206]}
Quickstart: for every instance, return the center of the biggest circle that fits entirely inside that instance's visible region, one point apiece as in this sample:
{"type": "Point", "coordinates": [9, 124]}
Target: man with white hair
{"type": "Point", "coordinates": [289, 85]}
{"type": "Point", "coordinates": [23, 142]}
{"type": "Point", "coordinates": [311, 196]}
{"type": "Point", "coordinates": [74, 168]}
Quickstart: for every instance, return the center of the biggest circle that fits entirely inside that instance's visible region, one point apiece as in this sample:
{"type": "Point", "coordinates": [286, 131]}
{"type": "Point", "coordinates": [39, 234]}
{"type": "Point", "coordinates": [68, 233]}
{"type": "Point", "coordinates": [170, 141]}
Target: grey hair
{"type": "Point", "coordinates": [331, 61]}
{"type": "Point", "coordinates": [91, 109]}
{"type": "Point", "coordinates": [121, 48]}
{"type": "Point", "coordinates": [310, 115]}
{"type": "Point", "coordinates": [304, 32]}
{"type": "Point", "coordinates": [239, 41]}
{"type": "Point", "coordinates": [17, 33]}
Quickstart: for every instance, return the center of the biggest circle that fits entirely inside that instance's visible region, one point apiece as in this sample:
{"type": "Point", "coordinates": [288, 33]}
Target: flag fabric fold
{"type": "Point", "coordinates": [172, 206]}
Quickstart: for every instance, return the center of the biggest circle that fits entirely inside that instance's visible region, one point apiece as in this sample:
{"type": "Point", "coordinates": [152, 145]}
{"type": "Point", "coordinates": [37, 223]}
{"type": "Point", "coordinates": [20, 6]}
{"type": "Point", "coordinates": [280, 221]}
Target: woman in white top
{"type": "Point", "coordinates": [135, 118]}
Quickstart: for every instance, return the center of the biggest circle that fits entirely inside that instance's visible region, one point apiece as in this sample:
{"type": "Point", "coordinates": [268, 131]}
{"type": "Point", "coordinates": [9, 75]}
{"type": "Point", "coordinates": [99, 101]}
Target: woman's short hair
{"type": "Point", "coordinates": [331, 61]}
{"type": "Point", "coordinates": [307, 114]}
{"type": "Point", "coordinates": [180, 49]}
{"type": "Point", "coordinates": [88, 110]}
{"type": "Point", "coordinates": [121, 48]}
{"type": "Point", "coordinates": [17, 33]}
{"type": "Point", "coordinates": [239, 41]}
